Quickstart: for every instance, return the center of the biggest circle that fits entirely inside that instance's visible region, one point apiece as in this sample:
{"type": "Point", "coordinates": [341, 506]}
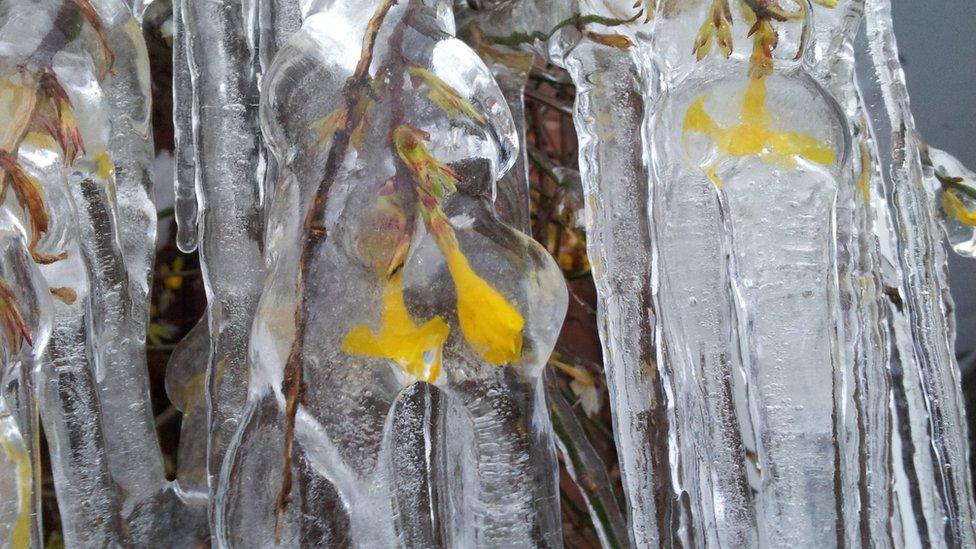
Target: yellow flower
{"type": "Point", "coordinates": [955, 207]}
{"type": "Point", "coordinates": [753, 135]}
{"type": "Point", "coordinates": [416, 351]}
{"type": "Point", "coordinates": [492, 326]}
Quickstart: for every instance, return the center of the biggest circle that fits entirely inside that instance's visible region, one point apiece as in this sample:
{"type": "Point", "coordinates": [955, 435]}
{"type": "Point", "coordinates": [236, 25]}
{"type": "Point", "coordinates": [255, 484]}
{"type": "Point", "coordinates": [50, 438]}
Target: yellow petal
{"type": "Point", "coordinates": [416, 351]}
{"type": "Point", "coordinates": [955, 207]}
{"type": "Point", "coordinates": [490, 324]}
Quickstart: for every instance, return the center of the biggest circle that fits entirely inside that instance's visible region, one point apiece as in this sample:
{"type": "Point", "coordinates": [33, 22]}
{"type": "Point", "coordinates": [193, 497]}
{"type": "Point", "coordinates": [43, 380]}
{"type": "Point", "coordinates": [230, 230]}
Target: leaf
{"type": "Point", "coordinates": [718, 28]}
{"type": "Point", "coordinates": [65, 295]}
{"type": "Point", "coordinates": [444, 96]}
{"type": "Point", "coordinates": [521, 62]}
{"type": "Point", "coordinates": [30, 197]}
{"type": "Point", "coordinates": [14, 328]}
{"type": "Point", "coordinates": [617, 41]}
{"type": "Point", "coordinates": [435, 179]}
{"type": "Point", "coordinates": [56, 117]}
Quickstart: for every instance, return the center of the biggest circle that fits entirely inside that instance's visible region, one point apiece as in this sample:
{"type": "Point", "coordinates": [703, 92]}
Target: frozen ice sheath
{"type": "Point", "coordinates": [396, 359]}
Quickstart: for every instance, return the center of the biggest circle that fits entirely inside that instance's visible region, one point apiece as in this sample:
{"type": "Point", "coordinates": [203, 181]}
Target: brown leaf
{"type": "Point", "coordinates": [28, 192]}
{"type": "Point", "coordinates": [618, 41]}
{"type": "Point", "coordinates": [14, 327]}
{"type": "Point", "coordinates": [65, 295]}
{"type": "Point", "coordinates": [56, 117]}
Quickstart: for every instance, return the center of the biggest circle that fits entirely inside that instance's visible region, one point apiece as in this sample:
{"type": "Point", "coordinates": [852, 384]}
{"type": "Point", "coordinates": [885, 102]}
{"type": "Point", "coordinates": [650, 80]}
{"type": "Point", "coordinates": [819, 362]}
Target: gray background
{"type": "Point", "coordinates": [937, 42]}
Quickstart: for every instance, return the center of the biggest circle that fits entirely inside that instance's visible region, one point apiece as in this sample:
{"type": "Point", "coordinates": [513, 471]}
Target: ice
{"type": "Point", "coordinates": [26, 327]}
{"type": "Point", "coordinates": [78, 99]}
{"type": "Point", "coordinates": [227, 150]}
{"type": "Point", "coordinates": [609, 112]}
{"type": "Point", "coordinates": [186, 376]}
{"type": "Point", "coordinates": [510, 68]}
{"type": "Point", "coordinates": [368, 245]}
{"type": "Point", "coordinates": [185, 207]}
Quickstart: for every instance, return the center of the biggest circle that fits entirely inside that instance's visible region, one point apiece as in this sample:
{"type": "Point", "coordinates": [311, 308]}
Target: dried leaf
{"type": "Point", "coordinates": [617, 41]}
{"type": "Point", "coordinates": [521, 62]}
{"type": "Point", "coordinates": [328, 126]}
{"type": "Point", "coordinates": [108, 56]}
{"type": "Point", "coordinates": [14, 327]}
{"type": "Point", "coordinates": [31, 199]}
{"type": "Point", "coordinates": [56, 117]}
{"type": "Point", "coordinates": [65, 295]}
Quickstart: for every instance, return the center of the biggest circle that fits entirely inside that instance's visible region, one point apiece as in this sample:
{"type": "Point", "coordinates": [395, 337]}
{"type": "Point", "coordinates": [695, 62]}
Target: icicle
{"type": "Point", "coordinates": [389, 271]}
{"type": "Point", "coordinates": [186, 376]}
{"type": "Point", "coordinates": [219, 42]}
{"type": "Point", "coordinates": [596, 47]}
{"type": "Point", "coordinates": [61, 121]}
{"type": "Point", "coordinates": [185, 111]}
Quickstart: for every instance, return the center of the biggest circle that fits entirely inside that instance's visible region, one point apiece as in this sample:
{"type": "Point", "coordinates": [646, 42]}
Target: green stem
{"type": "Point", "coordinates": [576, 20]}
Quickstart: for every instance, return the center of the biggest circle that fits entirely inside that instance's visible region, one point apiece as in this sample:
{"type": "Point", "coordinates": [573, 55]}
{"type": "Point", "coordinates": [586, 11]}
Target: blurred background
{"type": "Point", "coordinates": [939, 57]}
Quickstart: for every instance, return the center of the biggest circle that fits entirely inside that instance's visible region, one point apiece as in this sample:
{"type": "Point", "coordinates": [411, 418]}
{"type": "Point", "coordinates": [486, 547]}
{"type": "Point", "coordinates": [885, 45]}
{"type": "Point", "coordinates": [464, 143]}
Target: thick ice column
{"type": "Point", "coordinates": [128, 94]}
{"type": "Point", "coordinates": [116, 335]}
{"type": "Point", "coordinates": [229, 183]}
{"type": "Point", "coordinates": [385, 245]}
{"type": "Point", "coordinates": [932, 481]}
{"type": "Point", "coordinates": [746, 191]}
